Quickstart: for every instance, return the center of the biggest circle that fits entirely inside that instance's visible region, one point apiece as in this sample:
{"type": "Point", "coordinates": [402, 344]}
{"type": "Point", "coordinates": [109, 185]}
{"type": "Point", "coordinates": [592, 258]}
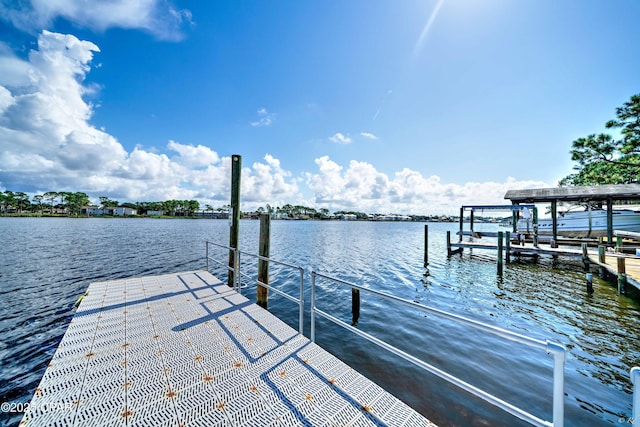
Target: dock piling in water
{"type": "Point", "coordinates": [500, 237]}
{"type": "Point", "coordinates": [426, 245]}
{"type": "Point", "coordinates": [589, 278]}
{"type": "Point", "coordinates": [262, 293]}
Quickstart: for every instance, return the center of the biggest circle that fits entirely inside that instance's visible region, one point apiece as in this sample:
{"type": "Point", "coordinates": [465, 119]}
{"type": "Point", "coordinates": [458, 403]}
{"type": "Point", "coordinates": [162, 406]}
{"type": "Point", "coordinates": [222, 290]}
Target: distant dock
{"type": "Point", "coordinates": [186, 350]}
{"type": "Point", "coordinates": [613, 263]}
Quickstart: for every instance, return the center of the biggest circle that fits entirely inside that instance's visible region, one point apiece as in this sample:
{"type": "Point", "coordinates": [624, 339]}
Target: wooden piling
{"type": "Point", "coordinates": [236, 169]}
{"type": "Point", "coordinates": [602, 260]}
{"type": "Point", "coordinates": [355, 306]}
{"type": "Point", "coordinates": [589, 278]}
{"type": "Point", "coordinates": [507, 240]}
{"type": "Point", "coordinates": [426, 245]}
{"type": "Point", "coordinates": [622, 276]}
{"type": "Point", "coordinates": [500, 237]}
{"type": "Point", "coordinates": [585, 257]}
{"type": "Point", "coordinates": [262, 294]}
{"type": "Point", "coordinates": [448, 243]}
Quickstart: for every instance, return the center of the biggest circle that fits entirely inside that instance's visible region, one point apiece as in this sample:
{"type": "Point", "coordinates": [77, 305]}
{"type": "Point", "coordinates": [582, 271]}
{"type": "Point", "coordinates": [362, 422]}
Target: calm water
{"type": "Point", "coordinates": [45, 264]}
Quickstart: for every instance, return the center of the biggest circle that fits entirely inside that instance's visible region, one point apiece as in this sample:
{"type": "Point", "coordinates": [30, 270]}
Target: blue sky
{"type": "Point", "coordinates": [377, 106]}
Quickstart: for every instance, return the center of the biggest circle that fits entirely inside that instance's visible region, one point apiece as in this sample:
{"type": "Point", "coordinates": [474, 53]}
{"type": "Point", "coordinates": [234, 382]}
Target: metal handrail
{"type": "Point", "coordinates": [238, 274]}
{"type": "Point", "coordinates": [236, 262]}
{"type": "Point", "coordinates": [558, 351]}
{"type": "Point", "coordinates": [299, 301]}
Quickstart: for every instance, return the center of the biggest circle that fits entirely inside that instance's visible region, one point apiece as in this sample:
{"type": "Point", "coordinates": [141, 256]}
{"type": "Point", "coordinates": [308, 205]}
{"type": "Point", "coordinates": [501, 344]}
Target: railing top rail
{"type": "Point", "coordinates": [264, 258]}
{"type": "Point", "coordinates": [219, 245]}
{"type": "Point", "coordinates": [513, 336]}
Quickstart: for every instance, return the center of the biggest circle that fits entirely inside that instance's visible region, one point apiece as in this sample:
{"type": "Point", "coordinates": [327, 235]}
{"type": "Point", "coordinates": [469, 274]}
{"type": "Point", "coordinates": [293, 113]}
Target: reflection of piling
{"type": "Point", "coordinates": [262, 294]}
{"type": "Point", "coordinates": [236, 168]}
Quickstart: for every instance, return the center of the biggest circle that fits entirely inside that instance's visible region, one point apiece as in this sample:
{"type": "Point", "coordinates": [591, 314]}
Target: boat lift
{"type": "Point", "coordinates": [514, 209]}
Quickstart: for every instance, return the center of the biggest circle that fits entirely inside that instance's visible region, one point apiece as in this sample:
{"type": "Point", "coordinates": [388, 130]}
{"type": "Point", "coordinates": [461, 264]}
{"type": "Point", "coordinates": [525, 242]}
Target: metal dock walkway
{"type": "Point", "coordinates": [186, 350]}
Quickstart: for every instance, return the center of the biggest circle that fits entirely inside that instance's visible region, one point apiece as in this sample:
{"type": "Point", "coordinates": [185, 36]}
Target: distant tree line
{"type": "Point", "coordinates": [63, 203]}
{"type": "Point", "coordinates": [51, 202]}
{"type": "Point", "coordinates": [70, 203]}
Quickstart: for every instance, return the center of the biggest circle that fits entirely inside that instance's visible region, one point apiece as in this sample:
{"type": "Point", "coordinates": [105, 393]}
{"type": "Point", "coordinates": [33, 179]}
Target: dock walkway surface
{"type": "Point", "coordinates": [185, 349]}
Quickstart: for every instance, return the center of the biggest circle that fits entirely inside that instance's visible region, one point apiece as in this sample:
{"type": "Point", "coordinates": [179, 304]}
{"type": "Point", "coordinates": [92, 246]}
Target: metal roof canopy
{"type": "Point", "coordinates": [496, 207]}
{"type": "Point", "coordinates": [575, 194]}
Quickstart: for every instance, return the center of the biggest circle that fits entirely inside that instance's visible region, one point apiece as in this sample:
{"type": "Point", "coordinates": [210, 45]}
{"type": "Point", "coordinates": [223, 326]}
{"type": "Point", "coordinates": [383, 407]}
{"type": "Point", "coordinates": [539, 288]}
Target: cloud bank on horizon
{"type": "Point", "coordinates": [48, 143]}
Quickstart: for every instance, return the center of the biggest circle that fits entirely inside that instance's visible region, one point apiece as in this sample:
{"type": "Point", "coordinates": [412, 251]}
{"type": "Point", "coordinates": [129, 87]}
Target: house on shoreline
{"type": "Point", "coordinates": [108, 210]}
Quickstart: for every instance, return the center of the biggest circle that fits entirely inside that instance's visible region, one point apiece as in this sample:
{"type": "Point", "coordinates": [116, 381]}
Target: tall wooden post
{"type": "Point", "coordinates": [461, 223]}
{"type": "Point", "coordinates": [471, 222]}
{"type": "Point", "coordinates": [609, 220]}
{"type": "Point", "coordinates": [262, 295]}
{"type": "Point", "coordinates": [507, 241]}
{"type": "Point", "coordinates": [500, 237]}
{"type": "Point", "coordinates": [554, 220]}
{"type": "Point", "coordinates": [236, 169]}
{"type": "Point", "coordinates": [426, 245]}
{"type": "Point", "coordinates": [355, 306]}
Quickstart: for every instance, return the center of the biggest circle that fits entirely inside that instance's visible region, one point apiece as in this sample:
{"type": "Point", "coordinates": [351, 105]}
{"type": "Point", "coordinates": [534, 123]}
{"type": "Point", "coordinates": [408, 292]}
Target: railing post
{"type": "Point", "coordinates": [559, 359]}
{"type": "Point", "coordinates": [313, 306]}
{"type": "Point", "coordinates": [236, 271]}
{"type": "Point", "coordinates": [262, 293]}
{"type": "Point", "coordinates": [301, 311]}
{"type": "Point", "coordinates": [206, 253]}
{"type": "Point", "coordinates": [635, 380]}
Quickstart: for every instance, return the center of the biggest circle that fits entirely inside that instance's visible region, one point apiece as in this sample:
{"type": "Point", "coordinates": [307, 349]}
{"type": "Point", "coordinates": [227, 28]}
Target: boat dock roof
{"type": "Point", "coordinates": [184, 349]}
{"type": "Point", "coordinates": [575, 194]}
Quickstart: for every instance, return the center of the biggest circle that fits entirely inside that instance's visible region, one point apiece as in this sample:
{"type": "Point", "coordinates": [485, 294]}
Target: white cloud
{"type": "Point", "coordinates": [363, 188]}
{"type": "Point", "coordinates": [48, 144]}
{"type": "Point", "coordinates": [339, 138]}
{"type": "Point", "coordinates": [368, 135]}
{"type": "Point", "coordinates": [264, 118]}
{"type": "Point", "coordinates": [155, 16]}
{"type": "Point", "coordinates": [193, 156]}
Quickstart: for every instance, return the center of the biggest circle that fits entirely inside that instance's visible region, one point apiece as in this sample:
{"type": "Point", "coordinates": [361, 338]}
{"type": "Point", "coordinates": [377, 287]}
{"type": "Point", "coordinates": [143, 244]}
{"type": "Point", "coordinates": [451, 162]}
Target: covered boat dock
{"type": "Point", "coordinates": [600, 194]}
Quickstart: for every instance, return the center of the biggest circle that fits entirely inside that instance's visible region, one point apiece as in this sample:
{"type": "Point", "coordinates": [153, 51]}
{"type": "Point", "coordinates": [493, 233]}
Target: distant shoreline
{"type": "Point", "coordinates": [447, 219]}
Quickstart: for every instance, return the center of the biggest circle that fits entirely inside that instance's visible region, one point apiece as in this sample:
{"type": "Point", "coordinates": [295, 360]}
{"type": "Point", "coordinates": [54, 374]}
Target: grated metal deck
{"type": "Point", "coordinates": [186, 350]}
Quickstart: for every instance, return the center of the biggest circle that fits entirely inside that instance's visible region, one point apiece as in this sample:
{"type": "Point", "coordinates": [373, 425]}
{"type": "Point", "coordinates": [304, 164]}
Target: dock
{"type": "Point", "coordinates": [614, 263]}
{"type": "Point", "coordinates": [185, 349]}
